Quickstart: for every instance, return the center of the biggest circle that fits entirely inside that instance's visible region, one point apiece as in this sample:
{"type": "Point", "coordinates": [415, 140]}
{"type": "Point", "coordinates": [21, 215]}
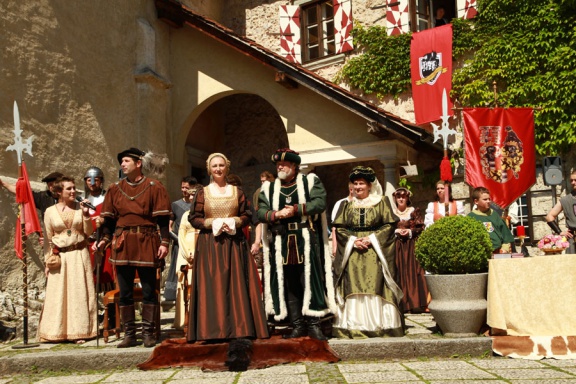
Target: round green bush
{"type": "Point", "coordinates": [454, 245]}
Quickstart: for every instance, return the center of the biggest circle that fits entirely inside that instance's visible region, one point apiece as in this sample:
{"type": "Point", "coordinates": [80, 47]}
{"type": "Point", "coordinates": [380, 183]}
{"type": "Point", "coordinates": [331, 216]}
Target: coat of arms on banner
{"type": "Point", "coordinates": [430, 68]}
{"type": "Point", "coordinates": [500, 159]}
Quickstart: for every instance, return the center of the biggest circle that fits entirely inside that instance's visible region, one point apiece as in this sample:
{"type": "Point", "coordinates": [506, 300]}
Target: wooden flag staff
{"type": "Point", "coordinates": [20, 146]}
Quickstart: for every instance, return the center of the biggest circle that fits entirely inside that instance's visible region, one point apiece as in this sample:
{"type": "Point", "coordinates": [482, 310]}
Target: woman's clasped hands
{"type": "Point", "coordinates": [362, 243]}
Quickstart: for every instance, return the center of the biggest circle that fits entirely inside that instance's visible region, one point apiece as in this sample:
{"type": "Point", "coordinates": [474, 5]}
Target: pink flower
{"type": "Point", "coordinates": [553, 242]}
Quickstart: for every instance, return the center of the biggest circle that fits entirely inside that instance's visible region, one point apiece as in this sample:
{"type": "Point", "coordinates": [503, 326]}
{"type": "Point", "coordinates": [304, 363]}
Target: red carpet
{"type": "Point", "coordinates": [265, 353]}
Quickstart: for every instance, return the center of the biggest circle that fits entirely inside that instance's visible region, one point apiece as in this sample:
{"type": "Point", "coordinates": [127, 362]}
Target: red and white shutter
{"type": "Point", "coordinates": [397, 17]}
{"type": "Point", "coordinates": [290, 43]}
{"type": "Point", "coordinates": [466, 9]}
{"type": "Point", "coordinates": [343, 25]}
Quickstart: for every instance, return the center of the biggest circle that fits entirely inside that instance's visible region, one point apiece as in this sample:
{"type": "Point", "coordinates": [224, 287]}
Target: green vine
{"type": "Point", "coordinates": [528, 47]}
{"type": "Point", "coordinates": [383, 68]}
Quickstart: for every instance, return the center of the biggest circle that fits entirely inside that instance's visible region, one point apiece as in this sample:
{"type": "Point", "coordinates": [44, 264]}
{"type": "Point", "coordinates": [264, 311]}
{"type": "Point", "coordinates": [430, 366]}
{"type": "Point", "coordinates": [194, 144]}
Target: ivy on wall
{"type": "Point", "coordinates": [528, 47]}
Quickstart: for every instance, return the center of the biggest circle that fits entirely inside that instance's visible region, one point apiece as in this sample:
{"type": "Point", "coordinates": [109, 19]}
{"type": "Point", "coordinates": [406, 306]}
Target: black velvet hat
{"type": "Point", "coordinates": [52, 177]}
{"type": "Point", "coordinates": [286, 154]}
{"type": "Point", "coordinates": [361, 172]}
{"type": "Point", "coordinates": [134, 153]}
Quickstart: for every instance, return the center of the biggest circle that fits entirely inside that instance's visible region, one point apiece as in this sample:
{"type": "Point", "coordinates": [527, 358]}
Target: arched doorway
{"type": "Point", "coordinates": [246, 128]}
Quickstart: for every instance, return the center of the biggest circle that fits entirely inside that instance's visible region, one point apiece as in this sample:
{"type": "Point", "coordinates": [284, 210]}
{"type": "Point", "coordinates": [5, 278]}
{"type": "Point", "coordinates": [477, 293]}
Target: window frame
{"type": "Point", "coordinates": [326, 46]}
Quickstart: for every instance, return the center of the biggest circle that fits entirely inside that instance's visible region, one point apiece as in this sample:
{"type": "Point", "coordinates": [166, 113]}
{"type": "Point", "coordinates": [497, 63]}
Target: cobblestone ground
{"type": "Point", "coordinates": [489, 370]}
{"type": "Point", "coordinates": [422, 326]}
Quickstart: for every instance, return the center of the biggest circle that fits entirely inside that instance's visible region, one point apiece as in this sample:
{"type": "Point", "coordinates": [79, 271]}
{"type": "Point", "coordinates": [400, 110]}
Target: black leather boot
{"type": "Point", "coordinates": [128, 315]}
{"type": "Point", "coordinates": [314, 329]}
{"type": "Point", "coordinates": [148, 325]}
{"type": "Point", "coordinates": [296, 319]}
{"type": "Point", "coordinates": [239, 355]}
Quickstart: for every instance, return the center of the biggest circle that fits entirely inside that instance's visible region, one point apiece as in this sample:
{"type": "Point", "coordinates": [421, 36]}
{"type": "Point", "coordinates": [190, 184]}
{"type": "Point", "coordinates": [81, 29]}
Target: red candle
{"type": "Point", "coordinates": [520, 231]}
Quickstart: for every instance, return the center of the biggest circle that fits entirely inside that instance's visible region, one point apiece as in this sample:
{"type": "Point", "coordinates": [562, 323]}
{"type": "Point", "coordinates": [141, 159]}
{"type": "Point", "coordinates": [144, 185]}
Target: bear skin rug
{"type": "Point", "coordinates": [212, 356]}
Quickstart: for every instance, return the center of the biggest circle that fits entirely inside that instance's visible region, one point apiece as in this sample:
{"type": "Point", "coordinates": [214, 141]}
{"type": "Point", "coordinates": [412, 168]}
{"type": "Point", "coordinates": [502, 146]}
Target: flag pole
{"type": "Point", "coordinates": [24, 237]}
{"type": "Point", "coordinates": [19, 146]}
{"type": "Point", "coordinates": [445, 166]}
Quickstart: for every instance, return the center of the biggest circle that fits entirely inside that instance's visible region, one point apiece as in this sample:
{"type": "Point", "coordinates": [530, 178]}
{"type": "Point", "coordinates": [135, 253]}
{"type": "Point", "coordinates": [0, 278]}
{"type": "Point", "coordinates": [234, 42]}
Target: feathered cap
{"type": "Point", "coordinates": [361, 172]}
{"type": "Point", "coordinates": [286, 154]}
{"type": "Point", "coordinates": [134, 153]}
{"type": "Point", "coordinates": [151, 162]}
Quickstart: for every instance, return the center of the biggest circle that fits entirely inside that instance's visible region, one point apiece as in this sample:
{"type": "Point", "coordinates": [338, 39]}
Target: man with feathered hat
{"type": "Point", "coordinates": [133, 210]}
{"type": "Point", "coordinates": [297, 262]}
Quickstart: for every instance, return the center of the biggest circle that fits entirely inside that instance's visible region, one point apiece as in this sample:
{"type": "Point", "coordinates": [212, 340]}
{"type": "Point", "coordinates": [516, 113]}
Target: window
{"type": "Point", "coordinates": [524, 218]}
{"type": "Point", "coordinates": [318, 30]}
{"type": "Point", "coordinates": [426, 13]}
{"type": "Point", "coordinates": [315, 32]}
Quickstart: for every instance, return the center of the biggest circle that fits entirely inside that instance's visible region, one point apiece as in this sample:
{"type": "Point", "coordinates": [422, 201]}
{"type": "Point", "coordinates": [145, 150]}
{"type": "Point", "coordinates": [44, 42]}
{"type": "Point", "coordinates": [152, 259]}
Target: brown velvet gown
{"type": "Point", "coordinates": [226, 299]}
{"type": "Point", "coordinates": [410, 275]}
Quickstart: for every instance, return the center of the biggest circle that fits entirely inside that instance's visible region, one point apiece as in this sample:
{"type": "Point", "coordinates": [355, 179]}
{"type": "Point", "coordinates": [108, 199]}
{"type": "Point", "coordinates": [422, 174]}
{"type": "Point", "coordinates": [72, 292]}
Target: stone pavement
{"type": "Point", "coordinates": [472, 370]}
{"type": "Point", "coordinates": [422, 356]}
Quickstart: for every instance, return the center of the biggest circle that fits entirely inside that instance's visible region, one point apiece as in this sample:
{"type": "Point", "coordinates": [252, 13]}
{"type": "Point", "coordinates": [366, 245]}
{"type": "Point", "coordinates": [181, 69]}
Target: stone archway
{"type": "Point", "coordinates": [246, 128]}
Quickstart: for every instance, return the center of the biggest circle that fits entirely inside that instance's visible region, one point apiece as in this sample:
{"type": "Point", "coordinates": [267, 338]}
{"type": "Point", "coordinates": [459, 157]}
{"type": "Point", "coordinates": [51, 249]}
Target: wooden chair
{"type": "Point", "coordinates": [113, 298]}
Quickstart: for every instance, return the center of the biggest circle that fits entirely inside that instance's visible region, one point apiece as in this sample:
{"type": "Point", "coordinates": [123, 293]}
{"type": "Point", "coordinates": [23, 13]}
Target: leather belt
{"type": "Point", "coordinates": [140, 229]}
{"type": "Point", "coordinates": [364, 229]}
{"type": "Point", "coordinates": [297, 226]}
{"type": "Point", "coordinates": [73, 247]}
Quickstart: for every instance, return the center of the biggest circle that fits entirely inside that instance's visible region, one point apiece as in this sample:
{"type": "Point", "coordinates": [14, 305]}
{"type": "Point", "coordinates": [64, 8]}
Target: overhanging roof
{"type": "Point", "coordinates": [178, 15]}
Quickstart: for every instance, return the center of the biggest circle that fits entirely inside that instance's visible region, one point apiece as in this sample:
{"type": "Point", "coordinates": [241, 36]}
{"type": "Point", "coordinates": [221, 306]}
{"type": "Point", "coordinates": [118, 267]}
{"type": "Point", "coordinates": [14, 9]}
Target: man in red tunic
{"type": "Point", "coordinates": [133, 210]}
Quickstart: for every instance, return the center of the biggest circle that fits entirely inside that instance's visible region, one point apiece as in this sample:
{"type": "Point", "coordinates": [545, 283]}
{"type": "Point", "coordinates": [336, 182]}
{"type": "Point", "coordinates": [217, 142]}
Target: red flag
{"type": "Point", "coordinates": [500, 151]}
{"type": "Point", "coordinates": [431, 69]}
{"type": "Point", "coordinates": [25, 199]}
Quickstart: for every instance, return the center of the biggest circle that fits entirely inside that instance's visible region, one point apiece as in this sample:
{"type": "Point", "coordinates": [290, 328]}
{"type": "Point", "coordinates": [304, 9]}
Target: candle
{"type": "Point", "coordinates": [520, 231]}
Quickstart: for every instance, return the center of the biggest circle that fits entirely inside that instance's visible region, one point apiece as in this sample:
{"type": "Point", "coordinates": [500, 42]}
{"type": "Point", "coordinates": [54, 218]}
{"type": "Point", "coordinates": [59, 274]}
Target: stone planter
{"type": "Point", "coordinates": [458, 303]}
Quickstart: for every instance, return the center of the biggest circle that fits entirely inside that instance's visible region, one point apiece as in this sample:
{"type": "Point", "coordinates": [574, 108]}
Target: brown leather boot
{"type": "Point", "coordinates": [128, 317]}
{"type": "Point", "coordinates": [148, 325]}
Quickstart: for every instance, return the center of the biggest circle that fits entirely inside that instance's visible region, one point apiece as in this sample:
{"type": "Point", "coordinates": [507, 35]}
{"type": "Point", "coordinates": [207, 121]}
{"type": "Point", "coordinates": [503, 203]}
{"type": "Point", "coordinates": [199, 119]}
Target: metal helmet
{"type": "Point", "coordinates": [93, 172]}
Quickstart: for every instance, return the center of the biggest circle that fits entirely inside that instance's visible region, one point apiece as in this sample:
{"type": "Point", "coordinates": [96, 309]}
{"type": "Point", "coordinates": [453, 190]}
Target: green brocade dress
{"type": "Point", "coordinates": [367, 295]}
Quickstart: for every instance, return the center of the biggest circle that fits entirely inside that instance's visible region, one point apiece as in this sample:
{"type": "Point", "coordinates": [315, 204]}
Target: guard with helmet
{"type": "Point", "coordinates": [94, 191]}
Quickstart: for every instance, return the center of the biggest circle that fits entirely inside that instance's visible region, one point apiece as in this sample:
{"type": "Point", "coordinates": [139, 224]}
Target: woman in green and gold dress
{"type": "Point", "coordinates": [366, 292]}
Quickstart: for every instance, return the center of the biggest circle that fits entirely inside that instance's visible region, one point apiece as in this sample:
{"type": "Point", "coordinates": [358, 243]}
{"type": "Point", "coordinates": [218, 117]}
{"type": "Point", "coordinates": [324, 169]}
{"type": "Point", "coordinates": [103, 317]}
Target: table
{"type": "Point", "coordinates": [533, 296]}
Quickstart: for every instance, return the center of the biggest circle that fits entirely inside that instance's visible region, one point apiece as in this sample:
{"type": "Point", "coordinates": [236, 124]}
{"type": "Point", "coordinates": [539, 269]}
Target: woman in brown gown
{"type": "Point", "coordinates": [410, 275]}
{"type": "Point", "coordinates": [225, 300]}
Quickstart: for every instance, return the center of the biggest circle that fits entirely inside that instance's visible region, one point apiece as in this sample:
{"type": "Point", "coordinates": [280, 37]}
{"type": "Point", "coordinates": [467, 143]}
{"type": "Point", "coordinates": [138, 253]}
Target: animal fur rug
{"type": "Point", "coordinates": [212, 356]}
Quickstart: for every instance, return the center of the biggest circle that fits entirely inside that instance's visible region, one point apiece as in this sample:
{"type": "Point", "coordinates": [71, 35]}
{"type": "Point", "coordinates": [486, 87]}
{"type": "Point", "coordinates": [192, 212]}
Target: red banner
{"type": "Point", "coordinates": [431, 72]}
{"type": "Point", "coordinates": [25, 198]}
{"type": "Point", "coordinates": [500, 151]}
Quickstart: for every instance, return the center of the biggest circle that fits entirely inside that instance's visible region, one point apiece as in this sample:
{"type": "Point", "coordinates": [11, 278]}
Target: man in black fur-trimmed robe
{"type": "Point", "coordinates": [297, 262]}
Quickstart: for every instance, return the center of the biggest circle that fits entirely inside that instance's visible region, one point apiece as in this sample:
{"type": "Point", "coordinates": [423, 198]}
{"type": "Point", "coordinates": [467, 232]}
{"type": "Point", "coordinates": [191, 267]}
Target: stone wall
{"type": "Point", "coordinates": [88, 81]}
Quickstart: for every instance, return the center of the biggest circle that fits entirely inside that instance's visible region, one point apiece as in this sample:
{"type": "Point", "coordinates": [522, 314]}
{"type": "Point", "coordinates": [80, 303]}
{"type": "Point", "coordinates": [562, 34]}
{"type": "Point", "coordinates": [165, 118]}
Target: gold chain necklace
{"type": "Point", "coordinates": [138, 194]}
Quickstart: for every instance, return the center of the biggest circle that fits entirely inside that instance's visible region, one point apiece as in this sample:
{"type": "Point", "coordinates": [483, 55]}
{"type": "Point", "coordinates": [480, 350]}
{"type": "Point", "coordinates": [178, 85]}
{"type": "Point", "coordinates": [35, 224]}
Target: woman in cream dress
{"type": "Point", "coordinates": [187, 236]}
{"type": "Point", "coordinates": [69, 311]}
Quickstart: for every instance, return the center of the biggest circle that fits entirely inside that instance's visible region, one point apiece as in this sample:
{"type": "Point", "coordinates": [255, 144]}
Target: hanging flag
{"type": "Point", "coordinates": [431, 69]}
{"type": "Point", "coordinates": [500, 151]}
{"type": "Point", "coordinates": [25, 200]}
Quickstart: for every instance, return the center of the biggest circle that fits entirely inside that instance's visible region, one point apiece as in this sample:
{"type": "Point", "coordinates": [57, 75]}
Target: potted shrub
{"type": "Point", "coordinates": [455, 251]}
